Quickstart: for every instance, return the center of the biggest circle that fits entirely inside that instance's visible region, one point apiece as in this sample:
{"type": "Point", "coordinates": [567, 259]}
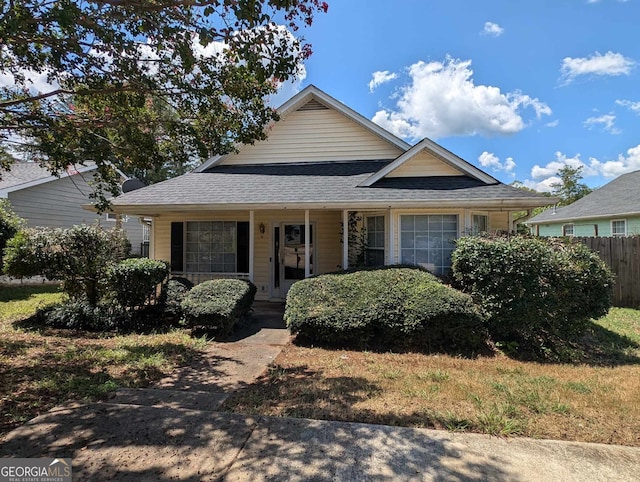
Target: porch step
{"type": "Point", "coordinates": [179, 399]}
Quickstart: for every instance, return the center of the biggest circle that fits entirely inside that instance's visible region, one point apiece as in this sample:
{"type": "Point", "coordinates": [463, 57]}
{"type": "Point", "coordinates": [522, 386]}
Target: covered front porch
{"type": "Point", "coordinates": [276, 248]}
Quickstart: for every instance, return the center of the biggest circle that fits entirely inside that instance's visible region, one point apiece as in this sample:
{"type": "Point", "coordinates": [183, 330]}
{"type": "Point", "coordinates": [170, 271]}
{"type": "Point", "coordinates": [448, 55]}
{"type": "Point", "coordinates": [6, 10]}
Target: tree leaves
{"type": "Point", "coordinates": [152, 88]}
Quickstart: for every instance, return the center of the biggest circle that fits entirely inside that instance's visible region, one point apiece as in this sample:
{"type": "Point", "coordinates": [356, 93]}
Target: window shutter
{"type": "Point", "coordinates": [177, 246]}
{"type": "Point", "coordinates": [242, 245]}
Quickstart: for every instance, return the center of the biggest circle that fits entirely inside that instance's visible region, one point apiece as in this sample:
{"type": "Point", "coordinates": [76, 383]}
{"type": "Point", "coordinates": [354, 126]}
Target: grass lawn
{"type": "Point", "coordinates": [594, 399]}
{"type": "Point", "coordinates": [42, 367]}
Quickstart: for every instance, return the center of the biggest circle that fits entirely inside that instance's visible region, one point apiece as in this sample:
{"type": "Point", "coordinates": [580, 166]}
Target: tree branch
{"type": "Point", "coordinates": [35, 98]}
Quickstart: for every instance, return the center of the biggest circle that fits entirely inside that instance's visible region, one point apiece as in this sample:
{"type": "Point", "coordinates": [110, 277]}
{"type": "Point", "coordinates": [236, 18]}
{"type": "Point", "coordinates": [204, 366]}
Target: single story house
{"type": "Point", "coordinates": [273, 212]}
{"type": "Point", "coordinates": [612, 210]}
{"type": "Point", "coordinates": [42, 199]}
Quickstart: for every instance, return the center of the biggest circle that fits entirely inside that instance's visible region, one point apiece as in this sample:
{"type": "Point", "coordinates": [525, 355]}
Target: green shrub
{"type": "Point", "coordinates": [383, 307]}
{"type": "Point", "coordinates": [80, 315]}
{"type": "Point", "coordinates": [173, 294]}
{"type": "Point", "coordinates": [81, 257]}
{"type": "Point", "coordinates": [533, 289]}
{"type": "Point", "coordinates": [10, 224]}
{"type": "Point", "coordinates": [218, 304]}
{"type": "Point", "coordinates": [134, 280]}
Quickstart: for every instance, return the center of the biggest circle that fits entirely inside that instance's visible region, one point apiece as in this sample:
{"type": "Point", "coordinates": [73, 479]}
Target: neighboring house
{"type": "Point", "coordinates": [273, 212]}
{"type": "Point", "coordinates": [42, 199]}
{"type": "Point", "coordinates": [612, 210]}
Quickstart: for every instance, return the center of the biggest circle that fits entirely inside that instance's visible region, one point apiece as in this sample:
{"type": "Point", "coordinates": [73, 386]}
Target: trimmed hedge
{"type": "Point", "coordinates": [134, 280]}
{"type": "Point", "coordinates": [79, 315]}
{"type": "Point", "coordinates": [383, 307]}
{"type": "Point", "coordinates": [533, 289]}
{"type": "Point", "coordinates": [173, 294]}
{"type": "Point", "coordinates": [218, 304]}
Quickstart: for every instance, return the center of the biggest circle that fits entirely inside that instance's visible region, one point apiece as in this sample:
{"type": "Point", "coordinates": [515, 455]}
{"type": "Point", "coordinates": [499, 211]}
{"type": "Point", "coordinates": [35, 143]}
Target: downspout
{"type": "Point", "coordinates": [516, 221]}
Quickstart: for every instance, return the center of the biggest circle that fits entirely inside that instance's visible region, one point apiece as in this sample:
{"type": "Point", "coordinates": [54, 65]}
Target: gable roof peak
{"type": "Point", "coordinates": [310, 93]}
{"type": "Point", "coordinates": [437, 151]}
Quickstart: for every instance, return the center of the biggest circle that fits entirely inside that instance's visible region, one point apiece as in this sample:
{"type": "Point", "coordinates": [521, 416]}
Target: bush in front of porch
{"type": "Point", "coordinates": [387, 307]}
{"type": "Point", "coordinates": [218, 305]}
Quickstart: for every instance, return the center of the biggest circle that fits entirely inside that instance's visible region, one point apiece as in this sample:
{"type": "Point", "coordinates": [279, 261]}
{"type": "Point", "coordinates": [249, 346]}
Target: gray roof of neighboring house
{"type": "Point", "coordinates": [315, 183]}
{"type": "Point", "coordinates": [21, 173]}
{"type": "Point", "coordinates": [28, 173]}
{"type": "Point", "coordinates": [617, 198]}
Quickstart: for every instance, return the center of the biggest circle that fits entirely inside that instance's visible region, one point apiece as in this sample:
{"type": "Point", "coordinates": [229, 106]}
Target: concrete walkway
{"type": "Point", "coordinates": [173, 432]}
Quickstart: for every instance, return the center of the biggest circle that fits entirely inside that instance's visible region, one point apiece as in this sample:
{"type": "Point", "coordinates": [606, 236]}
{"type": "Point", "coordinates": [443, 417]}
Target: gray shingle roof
{"type": "Point", "coordinates": [326, 182]}
{"type": "Point", "coordinates": [619, 197]}
{"type": "Point", "coordinates": [21, 173]}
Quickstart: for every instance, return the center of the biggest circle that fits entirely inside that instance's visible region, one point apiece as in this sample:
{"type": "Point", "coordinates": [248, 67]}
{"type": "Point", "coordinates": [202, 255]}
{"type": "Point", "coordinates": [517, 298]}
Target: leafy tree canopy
{"type": "Point", "coordinates": [570, 189]}
{"type": "Point", "coordinates": [146, 86]}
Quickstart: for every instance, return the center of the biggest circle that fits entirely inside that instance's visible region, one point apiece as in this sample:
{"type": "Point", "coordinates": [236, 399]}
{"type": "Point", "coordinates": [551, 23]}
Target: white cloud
{"type": "Point", "coordinates": [441, 99]}
{"type": "Point", "coordinates": [608, 64]}
{"type": "Point", "coordinates": [621, 165]}
{"type": "Point", "coordinates": [490, 160]}
{"type": "Point", "coordinates": [632, 106]}
{"type": "Point", "coordinates": [606, 121]}
{"type": "Point", "coordinates": [542, 186]}
{"type": "Point", "coordinates": [552, 168]}
{"type": "Point", "coordinates": [553, 123]}
{"type": "Point", "coordinates": [492, 29]}
{"type": "Point", "coordinates": [381, 77]}
{"type": "Point", "coordinates": [36, 82]}
{"type": "Point", "coordinates": [544, 176]}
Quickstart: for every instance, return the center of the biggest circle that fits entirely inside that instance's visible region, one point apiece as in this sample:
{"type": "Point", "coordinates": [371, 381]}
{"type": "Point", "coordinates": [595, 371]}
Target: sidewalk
{"type": "Point", "coordinates": [135, 443]}
{"type": "Point", "coordinates": [173, 431]}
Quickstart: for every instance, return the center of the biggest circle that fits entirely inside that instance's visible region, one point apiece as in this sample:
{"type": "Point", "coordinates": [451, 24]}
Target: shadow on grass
{"type": "Point", "coordinates": [300, 392]}
{"type": "Point", "coordinates": [597, 346]}
{"type": "Point", "coordinates": [480, 348]}
{"type": "Point", "coordinates": [80, 372]}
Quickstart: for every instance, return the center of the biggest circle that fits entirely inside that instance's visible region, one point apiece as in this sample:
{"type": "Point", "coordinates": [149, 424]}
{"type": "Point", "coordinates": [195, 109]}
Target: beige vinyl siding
{"type": "Point", "coordinates": [315, 135]}
{"type": "Point", "coordinates": [422, 165]}
{"type": "Point", "coordinates": [58, 204]}
{"type": "Point", "coordinates": [328, 248]}
{"type": "Point", "coordinates": [498, 221]}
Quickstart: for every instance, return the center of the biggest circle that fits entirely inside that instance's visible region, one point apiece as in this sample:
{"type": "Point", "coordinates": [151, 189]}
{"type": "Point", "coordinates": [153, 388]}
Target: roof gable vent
{"type": "Point", "coordinates": [313, 105]}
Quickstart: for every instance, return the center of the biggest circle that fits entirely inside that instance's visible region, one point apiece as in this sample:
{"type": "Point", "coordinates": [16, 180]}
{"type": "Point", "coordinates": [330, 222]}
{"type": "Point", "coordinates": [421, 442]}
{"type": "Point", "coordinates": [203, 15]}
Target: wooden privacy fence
{"type": "Point", "coordinates": [622, 255]}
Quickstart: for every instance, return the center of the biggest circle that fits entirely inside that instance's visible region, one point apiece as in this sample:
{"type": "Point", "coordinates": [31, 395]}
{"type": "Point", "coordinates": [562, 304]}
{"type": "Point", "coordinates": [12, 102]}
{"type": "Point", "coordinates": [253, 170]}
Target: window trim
{"type": "Point", "coordinates": [573, 229]}
{"type": "Point", "coordinates": [113, 217]}
{"type": "Point", "coordinates": [618, 221]}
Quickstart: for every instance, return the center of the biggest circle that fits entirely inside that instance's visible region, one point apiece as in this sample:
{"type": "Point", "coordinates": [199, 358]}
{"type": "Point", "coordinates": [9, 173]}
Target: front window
{"type": "Point", "coordinates": [428, 240]}
{"type": "Point", "coordinates": [619, 227]}
{"type": "Point", "coordinates": [480, 223]}
{"type": "Point", "coordinates": [567, 229]}
{"type": "Point", "coordinates": [375, 241]}
{"type": "Point", "coordinates": [211, 246]}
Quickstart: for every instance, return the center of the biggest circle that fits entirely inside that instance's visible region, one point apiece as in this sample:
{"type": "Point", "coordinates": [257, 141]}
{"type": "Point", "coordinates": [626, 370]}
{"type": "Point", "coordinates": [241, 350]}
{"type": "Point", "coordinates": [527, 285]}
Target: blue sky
{"type": "Point", "coordinates": [518, 88]}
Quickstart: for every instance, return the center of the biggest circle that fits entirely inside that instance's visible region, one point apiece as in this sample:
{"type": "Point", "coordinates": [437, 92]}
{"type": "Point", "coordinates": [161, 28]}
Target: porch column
{"type": "Point", "coordinates": [392, 248]}
{"type": "Point", "coordinates": [251, 243]}
{"type": "Point", "coordinates": [307, 245]}
{"type": "Point", "coordinates": [345, 239]}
